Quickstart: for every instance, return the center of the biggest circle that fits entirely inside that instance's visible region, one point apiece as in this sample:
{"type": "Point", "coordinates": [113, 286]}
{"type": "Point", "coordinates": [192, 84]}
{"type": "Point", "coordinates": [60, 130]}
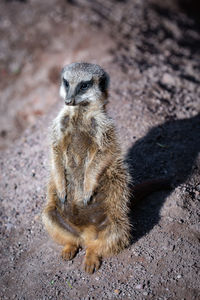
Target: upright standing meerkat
{"type": "Point", "coordinates": [88, 193]}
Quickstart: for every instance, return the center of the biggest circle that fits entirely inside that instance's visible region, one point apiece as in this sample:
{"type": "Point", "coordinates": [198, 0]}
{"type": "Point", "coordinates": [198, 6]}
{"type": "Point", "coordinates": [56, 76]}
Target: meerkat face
{"type": "Point", "coordinates": [83, 83]}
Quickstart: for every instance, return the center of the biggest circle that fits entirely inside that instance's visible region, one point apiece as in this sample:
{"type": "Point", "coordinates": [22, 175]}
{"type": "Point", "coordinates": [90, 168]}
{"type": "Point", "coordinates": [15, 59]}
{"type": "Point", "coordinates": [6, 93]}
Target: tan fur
{"type": "Point", "coordinates": [87, 168]}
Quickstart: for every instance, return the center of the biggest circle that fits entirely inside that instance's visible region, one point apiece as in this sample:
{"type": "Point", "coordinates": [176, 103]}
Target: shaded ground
{"type": "Point", "coordinates": [151, 50]}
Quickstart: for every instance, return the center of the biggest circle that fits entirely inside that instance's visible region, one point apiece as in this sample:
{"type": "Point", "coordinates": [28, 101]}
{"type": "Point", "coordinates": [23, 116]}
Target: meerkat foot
{"type": "Point", "coordinates": [69, 251]}
{"type": "Point", "coordinates": [91, 263]}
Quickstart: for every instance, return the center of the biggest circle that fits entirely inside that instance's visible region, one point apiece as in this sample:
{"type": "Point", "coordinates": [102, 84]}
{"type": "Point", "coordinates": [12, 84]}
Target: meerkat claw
{"type": "Point", "coordinates": [87, 198]}
{"type": "Point", "coordinates": [63, 199]}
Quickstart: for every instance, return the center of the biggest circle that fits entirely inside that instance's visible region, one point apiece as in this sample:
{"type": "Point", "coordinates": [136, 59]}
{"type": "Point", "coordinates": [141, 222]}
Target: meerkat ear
{"type": "Point", "coordinates": [104, 82]}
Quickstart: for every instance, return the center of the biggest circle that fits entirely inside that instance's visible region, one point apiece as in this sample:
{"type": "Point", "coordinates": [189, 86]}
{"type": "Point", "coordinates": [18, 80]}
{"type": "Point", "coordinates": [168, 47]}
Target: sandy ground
{"type": "Point", "coordinates": [151, 50]}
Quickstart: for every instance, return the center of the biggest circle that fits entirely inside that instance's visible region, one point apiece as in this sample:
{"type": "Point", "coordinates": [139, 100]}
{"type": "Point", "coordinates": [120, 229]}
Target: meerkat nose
{"type": "Point", "coordinates": [70, 101]}
{"type": "Point", "coordinates": [67, 101]}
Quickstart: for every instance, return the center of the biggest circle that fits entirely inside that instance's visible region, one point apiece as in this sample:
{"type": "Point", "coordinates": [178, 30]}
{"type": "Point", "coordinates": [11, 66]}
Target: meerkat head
{"type": "Point", "coordinates": [83, 83]}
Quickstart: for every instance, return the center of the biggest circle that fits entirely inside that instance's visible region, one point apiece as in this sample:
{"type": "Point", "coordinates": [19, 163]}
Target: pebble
{"type": "Point", "coordinates": [198, 187]}
{"type": "Point", "coordinates": [139, 287]}
{"type": "Point", "coordinates": [168, 79]}
{"type": "Point", "coordinates": [37, 217]}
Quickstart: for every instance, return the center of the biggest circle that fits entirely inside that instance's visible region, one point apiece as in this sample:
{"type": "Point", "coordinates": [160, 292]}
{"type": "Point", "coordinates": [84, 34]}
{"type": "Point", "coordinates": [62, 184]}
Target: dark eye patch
{"type": "Point", "coordinates": [104, 82]}
{"type": "Point", "coordinates": [83, 86]}
{"type": "Point", "coordinates": [66, 83]}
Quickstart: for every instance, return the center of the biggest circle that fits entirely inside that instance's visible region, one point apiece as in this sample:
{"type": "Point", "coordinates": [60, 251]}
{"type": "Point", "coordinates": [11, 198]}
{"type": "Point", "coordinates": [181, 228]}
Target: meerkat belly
{"type": "Point", "coordinates": [94, 213]}
{"type": "Point", "coordinates": [77, 152]}
{"type": "Point", "coordinates": [82, 217]}
{"type": "Point", "coordinates": [79, 148]}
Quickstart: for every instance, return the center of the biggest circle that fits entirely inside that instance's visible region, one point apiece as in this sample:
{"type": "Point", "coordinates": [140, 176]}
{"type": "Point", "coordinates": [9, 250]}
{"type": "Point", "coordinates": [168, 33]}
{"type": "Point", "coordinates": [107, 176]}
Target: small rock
{"type": "Point", "coordinates": [138, 287]}
{"type": "Point", "coordinates": [167, 79]}
{"type": "Point", "coordinates": [36, 218]}
{"type": "Point", "coordinates": [198, 187]}
{"type": "Point", "coordinates": [3, 133]}
{"type": "Point", "coordinates": [117, 292]}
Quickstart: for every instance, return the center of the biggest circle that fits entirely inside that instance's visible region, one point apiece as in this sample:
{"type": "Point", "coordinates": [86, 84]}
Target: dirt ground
{"type": "Point", "coordinates": [151, 49]}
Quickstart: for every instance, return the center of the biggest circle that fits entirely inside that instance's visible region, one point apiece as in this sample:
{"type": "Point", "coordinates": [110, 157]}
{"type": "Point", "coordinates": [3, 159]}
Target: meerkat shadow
{"type": "Point", "coordinates": [168, 150]}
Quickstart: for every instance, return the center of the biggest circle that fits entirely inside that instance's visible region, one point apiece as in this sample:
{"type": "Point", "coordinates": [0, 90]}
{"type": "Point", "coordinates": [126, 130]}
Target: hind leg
{"type": "Point", "coordinates": [69, 251]}
{"type": "Point", "coordinates": [62, 231]}
{"type": "Point", "coordinates": [103, 244]}
{"type": "Point", "coordinates": [92, 260]}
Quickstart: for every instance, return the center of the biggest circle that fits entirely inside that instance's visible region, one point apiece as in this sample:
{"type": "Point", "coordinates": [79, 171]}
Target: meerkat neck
{"type": "Point", "coordinates": [78, 111]}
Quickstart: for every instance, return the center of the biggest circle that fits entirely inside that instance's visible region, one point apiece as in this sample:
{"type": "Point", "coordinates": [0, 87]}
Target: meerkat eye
{"type": "Point", "coordinates": [84, 86]}
{"type": "Point", "coordinates": [66, 83]}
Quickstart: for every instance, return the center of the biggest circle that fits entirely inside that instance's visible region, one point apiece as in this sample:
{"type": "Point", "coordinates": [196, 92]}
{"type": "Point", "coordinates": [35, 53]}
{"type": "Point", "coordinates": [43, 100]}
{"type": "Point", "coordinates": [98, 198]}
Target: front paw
{"type": "Point", "coordinates": [62, 197]}
{"type": "Point", "coordinates": [87, 197]}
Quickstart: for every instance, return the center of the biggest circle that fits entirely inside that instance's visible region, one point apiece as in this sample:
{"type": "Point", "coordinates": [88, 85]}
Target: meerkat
{"type": "Point", "coordinates": [88, 194]}
{"type": "Point", "coordinates": [89, 188]}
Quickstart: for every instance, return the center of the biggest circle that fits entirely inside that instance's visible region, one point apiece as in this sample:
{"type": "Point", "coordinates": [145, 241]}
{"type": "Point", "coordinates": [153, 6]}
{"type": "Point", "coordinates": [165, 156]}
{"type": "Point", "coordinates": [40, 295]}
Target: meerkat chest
{"type": "Point", "coordinates": [78, 145]}
{"type": "Point", "coordinates": [78, 139]}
